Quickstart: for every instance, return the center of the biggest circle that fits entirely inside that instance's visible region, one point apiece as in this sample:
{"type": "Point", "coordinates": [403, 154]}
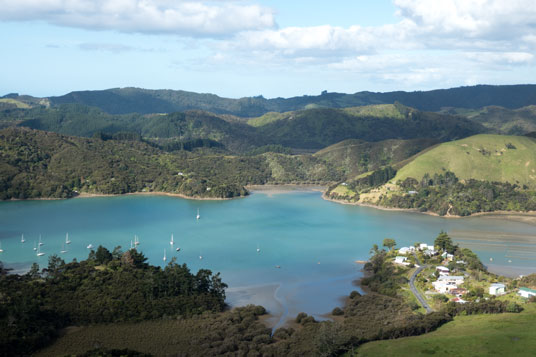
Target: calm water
{"type": "Point", "coordinates": [314, 243]}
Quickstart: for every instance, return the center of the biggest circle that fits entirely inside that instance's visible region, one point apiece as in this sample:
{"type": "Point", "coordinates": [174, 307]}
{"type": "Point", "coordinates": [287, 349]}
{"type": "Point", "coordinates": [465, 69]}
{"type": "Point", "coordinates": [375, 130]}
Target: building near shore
{"type": "Point", "coordinates": [497, 289]}
{"type": "Point", "coordinates": [526, 292]}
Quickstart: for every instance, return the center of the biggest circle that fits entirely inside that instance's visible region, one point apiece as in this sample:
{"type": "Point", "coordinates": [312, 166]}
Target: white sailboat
{"type": "Point", "coordinates": [198, 215]}
{"type": "Point", "coordinates": [67, 241]}
{"type": "Point", "coordinates": [22, 239]}
{"type": "Point", "coordinates": [136, 240]}
{"type": "Point", "coordinates": [90, 246]}
{"type": "Point", "coordinates": [164, 259]}
{"type": "Point", "coordinates": [40, 243]}
{"type": "Point", "coordinates": [39, 253]}
{"type": "Point", "coordinates": [258, 249]}
{"type": "Point", "coordinates": [171, 241]}
{"type": "Point", "coordinates": [63, 250]}
{"type": "Point", "coordinates": [200, 256]}
{"type": "Point", "coordinates": [35, 245]}
{"type": "Point", "coordinates": [1, 250]}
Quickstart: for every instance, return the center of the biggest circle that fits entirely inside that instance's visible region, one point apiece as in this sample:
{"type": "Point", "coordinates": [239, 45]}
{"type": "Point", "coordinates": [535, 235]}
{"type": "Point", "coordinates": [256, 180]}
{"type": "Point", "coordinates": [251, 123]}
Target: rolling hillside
{"type": "Point", "coordinates": [483, 157]}
{"type": "Point", "coordinates": [145, 101]}
{"type": "Point", "coordinates": [355, 157]}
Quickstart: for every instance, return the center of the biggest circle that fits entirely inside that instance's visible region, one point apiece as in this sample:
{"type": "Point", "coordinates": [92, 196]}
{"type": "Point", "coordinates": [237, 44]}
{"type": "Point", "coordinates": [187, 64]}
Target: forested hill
{"type": "Point", "coordinates": [130, 100]}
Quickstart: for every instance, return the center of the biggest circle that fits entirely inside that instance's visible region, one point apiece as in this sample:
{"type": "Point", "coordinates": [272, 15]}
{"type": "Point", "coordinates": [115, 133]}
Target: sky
{"type": "Point", "coordinates": [239, 48]}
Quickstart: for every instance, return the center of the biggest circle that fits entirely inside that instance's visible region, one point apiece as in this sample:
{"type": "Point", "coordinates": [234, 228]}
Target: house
{"type": "Point", "coordinates": [443, 270]}
{"type": "Point", "coordinates": [460, 262]}
{"type": "Point", "coordinates": [456, 279]}
{"type": "Point", "coordinates": [459, 292]}
{"type": "Point", "coordinates": [459, 300]}
{"type": "Point", "coordinates": [497, 289]}
{"type": "Point", "coordinates": [406, 250]}
{"type": "Point", "coordinates": [526, 292]}
{"type": "Point", "coordinates": [447, 256]}
{"type": "Point", "coordinates": [412, 192]}
{"type": "Point", "coordinates": [400, 260]}
{"type": "Point", "coordinates": [444, 286]}
{"type": "Point", "coordinates": [430, 251]}
{"type": "Point", "coordinates": [423, 246]}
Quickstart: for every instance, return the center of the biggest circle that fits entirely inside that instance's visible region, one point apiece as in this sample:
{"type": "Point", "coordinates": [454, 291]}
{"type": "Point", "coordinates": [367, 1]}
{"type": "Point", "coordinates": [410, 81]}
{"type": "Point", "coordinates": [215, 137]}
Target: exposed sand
{"type": "Point", "coordinates": [287, 188]}
{"type": "Point", "coordinates": [180, 195]}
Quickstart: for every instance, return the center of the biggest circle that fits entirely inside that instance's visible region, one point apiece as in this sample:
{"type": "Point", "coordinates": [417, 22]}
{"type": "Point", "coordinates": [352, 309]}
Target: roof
{"type": "Point", "coordinates": [451, 277]}
{"type": "Point", "coordinates": [440, 267]}
{"type": "Point", "coordinates": [497, 285]}
{"type": "Point", "coordinates": [529, 290]}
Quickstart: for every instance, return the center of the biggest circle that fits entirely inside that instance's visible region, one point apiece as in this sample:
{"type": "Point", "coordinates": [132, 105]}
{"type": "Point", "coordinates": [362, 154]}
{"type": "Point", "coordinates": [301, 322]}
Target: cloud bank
{"type": "Point", "coordinates": [180, 17]}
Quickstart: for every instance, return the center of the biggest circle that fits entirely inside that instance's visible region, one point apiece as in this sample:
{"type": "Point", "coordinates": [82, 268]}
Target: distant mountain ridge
{"type": "Point", "coordinates": [146, 101]}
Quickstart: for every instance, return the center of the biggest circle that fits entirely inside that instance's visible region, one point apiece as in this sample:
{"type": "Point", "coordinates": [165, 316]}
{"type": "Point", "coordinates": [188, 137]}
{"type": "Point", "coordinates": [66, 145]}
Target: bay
{"type": "Point", "coordinates": [308, 246]}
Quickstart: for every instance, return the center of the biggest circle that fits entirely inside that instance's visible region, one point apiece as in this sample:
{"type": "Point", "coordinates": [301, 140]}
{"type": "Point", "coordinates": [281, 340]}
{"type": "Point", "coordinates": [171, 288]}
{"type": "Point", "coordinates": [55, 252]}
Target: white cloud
{"type": "Point", "coordinates": [501, 58]}
{"type": "Point", "coordinates": [181, 17]}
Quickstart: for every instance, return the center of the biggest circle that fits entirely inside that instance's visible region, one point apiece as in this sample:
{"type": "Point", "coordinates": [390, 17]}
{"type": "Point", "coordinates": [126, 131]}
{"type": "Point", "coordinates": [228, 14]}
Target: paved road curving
{"type": "Point", "coordinates": [414, 289]}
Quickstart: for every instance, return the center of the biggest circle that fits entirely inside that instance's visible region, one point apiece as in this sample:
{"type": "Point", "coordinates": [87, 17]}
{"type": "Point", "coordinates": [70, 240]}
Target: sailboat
{"type": "Point", "coordinates": [171, 241]}
{"type": "Point", "coordinates": [198, 215]}
{"type": "Point", "coordinates": [22, 239]}
{"type": "Point", "coordinates": [164, 259]}
{"type": "Point", "coordinates": [1, 250]}
{"type": "Point", "coordinates": [258, 249]}
{"type": "Point", "coordinates": [35, 245]}
{"type": "Point", "coordinates": [136, 240]}
{"type": "Point", "coordinates": [63, 250]}
{"type": "Point", "coordinates": [67, 241]}
{"type": "Point", "coordinates": [90, 246]}
{"type": "Point", "coordinates": [200, 256]}
{"type": "Point", "coordinates": [39, 253]}
{"type": "Point", "coordinates": [131, 245]}
{"type": "Point", "coordinates": [40, 243]}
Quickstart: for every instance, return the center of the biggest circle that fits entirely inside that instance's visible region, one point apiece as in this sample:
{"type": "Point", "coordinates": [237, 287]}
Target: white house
{"type": "Point", "coordinates": [446, 283]}
{"type": "Point", "coordinates": [496, 289]}
{"type": "Point", "coordinates": [406, 250]}
{"type": "Point", "coordinates": [443, 270]}
{"type": "Point", "coordinates": [400, 260]}
{"type": "Point", "coordinates": [447, 256]}
{"type": "Point", "coordinates": [526, 292]}
{"type": "Point", "coordinates": [456, 279]}
{"type": "Point", "coordinates": [423, 246]}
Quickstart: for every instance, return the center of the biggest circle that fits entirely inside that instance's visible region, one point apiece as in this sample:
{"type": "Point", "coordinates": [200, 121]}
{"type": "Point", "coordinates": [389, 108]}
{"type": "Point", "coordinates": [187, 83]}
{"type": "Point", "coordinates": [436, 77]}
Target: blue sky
{"type": "Point", "coordinates": [237, 48]}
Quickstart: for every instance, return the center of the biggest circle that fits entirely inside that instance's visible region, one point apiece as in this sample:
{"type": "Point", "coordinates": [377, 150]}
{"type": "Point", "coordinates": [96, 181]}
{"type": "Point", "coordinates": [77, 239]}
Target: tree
{"type": "Point", "coordinates": [389, 243]}
{"type": "Point", "coordinates": [103, 255]}
{"type": "Point", "coordinates": [374, 250]}
{"type": "Point", "coordinates": [443, 241]}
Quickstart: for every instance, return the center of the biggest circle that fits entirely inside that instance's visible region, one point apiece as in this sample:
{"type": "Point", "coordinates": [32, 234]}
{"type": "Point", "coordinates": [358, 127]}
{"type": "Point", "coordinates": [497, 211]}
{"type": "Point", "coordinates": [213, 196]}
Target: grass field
{"type": "Point", "coordinates": [477, 335]}
{"type": "Point", "coordinates": [483, 157]}
{"type": "Point", "coordinates": [17, 103]}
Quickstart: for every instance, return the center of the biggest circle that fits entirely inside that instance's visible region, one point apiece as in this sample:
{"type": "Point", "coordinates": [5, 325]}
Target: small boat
{"type": "Point", "coordinates": [67, 241]}
{"type": "Point", "coordinates": [90, 246]}
{"type": "Point", "coordinates": [200, 256]}
{"type": "Point", "coordinates": [164, 259]}
{"type": "Point", "coordinates": [63, 250]}
{"type": "Point", "coordinates": [178, 249]}
{"type": "Point", "coordinates": [40, 243]}
{"type": "Point", "coordinates": [35, 246]}
{"type": "Point", "coordinates": [258, 249]}
{"type": "Point", "coordinates": [509, 261]}
{"type": "Point", "coordinates": [39, 253]}
{"type": "Point", "coordinates": [490, 259]}
{"type": "Point", "coordinates": [136, 240]}
{"type": "Point", "coordinates": [171, 241]}
{"type": "Point", "coordinates": [1, 250]}
{"type": "Point", "coordinates": [198, 215]}
{"type": "Point", "coordinates": [278, 266]}
{"type": "Point", "coordinates": [22, 239]}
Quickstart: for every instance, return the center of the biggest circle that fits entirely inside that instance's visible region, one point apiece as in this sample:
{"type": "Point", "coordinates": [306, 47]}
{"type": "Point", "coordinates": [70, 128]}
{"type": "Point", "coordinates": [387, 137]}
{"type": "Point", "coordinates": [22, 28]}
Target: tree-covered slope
{"type": "Point", "coordinates": [501, 120]}
{"type": "Point", "coordinates": [129, 100]}
{"type": "Point", "coordinates": [36, 164]}
{"type": "Point", "coordinates": [486, 157]}
{"type": "Point", "coordinates": [318, 128]}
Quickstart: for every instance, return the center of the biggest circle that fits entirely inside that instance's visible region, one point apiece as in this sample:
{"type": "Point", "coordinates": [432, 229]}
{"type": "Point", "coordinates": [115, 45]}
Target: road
{"type": "Point", "coordinates": [414, 289]}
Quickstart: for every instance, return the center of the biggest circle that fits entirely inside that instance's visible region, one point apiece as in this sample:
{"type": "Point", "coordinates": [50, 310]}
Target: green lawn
{"type": "Point", "coordinates": [477, 335]}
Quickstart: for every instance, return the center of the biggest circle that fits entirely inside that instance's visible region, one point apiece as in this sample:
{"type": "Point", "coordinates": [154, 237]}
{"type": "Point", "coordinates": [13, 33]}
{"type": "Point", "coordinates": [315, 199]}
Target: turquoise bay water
{"type": "Point", "coordinates": [314, 243]}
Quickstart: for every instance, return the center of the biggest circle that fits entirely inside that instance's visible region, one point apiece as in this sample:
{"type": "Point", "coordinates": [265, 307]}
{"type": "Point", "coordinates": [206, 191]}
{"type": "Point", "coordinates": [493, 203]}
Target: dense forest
{"type": "Point", "coordinates": [107, 287]}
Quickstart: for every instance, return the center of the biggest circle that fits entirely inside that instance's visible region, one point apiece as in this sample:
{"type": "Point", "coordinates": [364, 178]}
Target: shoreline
{"type": "Point", "coordinates": [528, 217]}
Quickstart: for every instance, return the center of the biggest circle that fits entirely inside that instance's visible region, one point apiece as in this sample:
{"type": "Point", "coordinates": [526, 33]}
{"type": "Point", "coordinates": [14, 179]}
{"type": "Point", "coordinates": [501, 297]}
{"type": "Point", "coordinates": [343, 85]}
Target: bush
{"type": "Point", "coordinates": [337, 311]}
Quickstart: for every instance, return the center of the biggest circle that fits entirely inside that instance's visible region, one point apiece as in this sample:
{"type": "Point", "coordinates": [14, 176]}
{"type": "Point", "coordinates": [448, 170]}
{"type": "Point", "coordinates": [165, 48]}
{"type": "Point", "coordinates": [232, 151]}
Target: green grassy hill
{"type": "Point", "coordinates": [354, 157]}
{"type": "Point", "coordinates": [476, 335]}
{"type": "Point", "coordinates": [483, 157]}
